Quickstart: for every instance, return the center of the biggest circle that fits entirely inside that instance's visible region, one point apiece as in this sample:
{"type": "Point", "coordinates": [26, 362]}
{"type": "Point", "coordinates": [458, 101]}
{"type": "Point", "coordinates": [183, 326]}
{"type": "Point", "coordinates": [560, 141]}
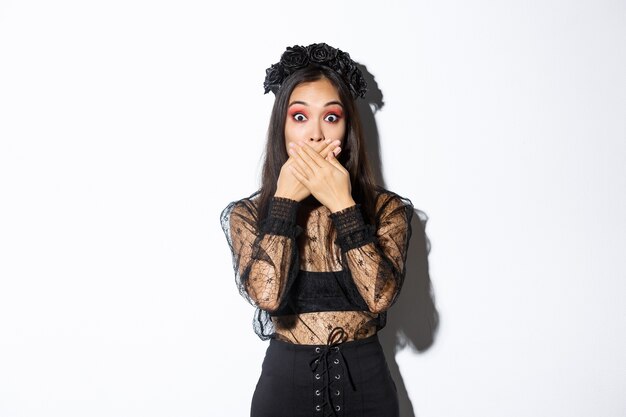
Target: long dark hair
{"type": "Point", "coordinates": [353, 155]}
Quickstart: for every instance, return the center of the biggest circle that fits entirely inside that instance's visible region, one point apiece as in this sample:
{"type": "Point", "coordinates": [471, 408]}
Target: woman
{"type": "Point", "coordinates": [320, 250]}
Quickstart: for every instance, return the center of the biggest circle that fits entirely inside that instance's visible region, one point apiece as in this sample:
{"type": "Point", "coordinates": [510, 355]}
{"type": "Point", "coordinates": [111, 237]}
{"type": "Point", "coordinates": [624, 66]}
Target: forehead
{"type": "Point", "coordinates": [315, 92]}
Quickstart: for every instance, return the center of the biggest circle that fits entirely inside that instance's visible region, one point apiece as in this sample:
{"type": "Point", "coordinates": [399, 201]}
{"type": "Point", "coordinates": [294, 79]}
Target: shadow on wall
{"type": "Point", "coordinates": [413, 320]}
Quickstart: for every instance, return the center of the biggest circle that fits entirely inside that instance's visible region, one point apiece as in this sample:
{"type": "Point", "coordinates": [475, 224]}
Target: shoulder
{"type": "Point", "coordinates": [389, 202]}
{"type": "Point", "coordinates": [244, 207]}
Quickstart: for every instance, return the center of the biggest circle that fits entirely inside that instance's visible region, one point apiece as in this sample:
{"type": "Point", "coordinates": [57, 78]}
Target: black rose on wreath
{"type": "Point", "coordinates": [295, 57]}
{"type": "Point", "coordinates": [343, 64]}
{"type": "Point", "coordinates": [274, 76]}
{"type": "Point", "coordinates": [357, 83]}
{"type": "Point", "coordinates": [321, 53]}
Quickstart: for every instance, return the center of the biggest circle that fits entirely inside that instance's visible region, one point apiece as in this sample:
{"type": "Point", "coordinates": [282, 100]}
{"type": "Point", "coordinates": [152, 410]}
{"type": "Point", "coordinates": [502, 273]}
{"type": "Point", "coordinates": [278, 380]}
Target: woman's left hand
{"type": "Point", "coordinates": [327, 180]}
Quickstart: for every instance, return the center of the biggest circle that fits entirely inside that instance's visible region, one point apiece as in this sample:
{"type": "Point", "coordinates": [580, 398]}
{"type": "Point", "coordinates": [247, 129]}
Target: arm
{"type": "Point", "coordinates": [376, 256]}
{"type": "Point", "coordinates": [265, 255]}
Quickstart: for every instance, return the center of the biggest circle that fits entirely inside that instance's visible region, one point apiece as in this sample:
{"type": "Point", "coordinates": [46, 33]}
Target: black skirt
{"type": "Point", "coordinates": [349, 379]}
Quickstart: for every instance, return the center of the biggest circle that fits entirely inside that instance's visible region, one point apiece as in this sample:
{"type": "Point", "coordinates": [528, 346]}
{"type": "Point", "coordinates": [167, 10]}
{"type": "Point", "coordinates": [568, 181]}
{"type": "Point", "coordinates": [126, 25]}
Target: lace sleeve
{"type": "Point", "coordinates": [264, 253]}
{"type": "Point", "coordinates": [376, 256]}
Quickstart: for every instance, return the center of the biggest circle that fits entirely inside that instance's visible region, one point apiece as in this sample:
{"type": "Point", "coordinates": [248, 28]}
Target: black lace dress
{"type": "Point", "coordinates": [308, 270]}
{"type": "Point", "coordinates": [321, 283]}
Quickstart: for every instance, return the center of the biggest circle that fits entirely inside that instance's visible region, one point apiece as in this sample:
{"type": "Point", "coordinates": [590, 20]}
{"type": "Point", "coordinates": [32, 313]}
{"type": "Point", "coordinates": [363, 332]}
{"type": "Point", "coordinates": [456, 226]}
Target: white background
{"type": "Point", "coordinates": [126, 126]}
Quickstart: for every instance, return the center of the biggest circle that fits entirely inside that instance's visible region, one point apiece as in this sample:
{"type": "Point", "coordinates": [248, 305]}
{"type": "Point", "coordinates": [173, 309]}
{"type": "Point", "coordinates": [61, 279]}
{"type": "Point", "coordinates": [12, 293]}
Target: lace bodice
{"type": "Point", "coordinates": [307, 270]}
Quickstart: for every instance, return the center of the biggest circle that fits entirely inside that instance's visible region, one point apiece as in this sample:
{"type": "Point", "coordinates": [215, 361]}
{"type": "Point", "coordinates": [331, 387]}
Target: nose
{"type": "Point", "coordinates": [316, 134]}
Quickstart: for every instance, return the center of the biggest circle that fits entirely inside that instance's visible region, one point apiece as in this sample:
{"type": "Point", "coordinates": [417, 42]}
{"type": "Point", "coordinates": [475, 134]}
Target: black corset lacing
{"type": "Point", "coordinates": [322, 359]}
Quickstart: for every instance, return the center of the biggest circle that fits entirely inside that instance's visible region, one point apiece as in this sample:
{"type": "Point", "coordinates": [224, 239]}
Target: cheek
{"type": "Point", "coordinates": [291, 133]}
{"type": "Point", "coordinates": [339, 131]}
{"type": "Point", "coordinates": [296, 132]}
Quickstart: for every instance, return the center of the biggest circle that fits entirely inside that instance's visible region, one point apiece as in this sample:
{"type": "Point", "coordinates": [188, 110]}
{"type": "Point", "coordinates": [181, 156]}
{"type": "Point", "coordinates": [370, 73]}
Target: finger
{"type": "Point", "coordinates": [308, 154]}
{"type": "Point", "coordinates": [333, 154]}
{"type": "Point", "coordinates": [290, 161]}
{"type": "Point", "coordinates": [333, 160]}
{"type": "Point", "coordinates": [295, 170]}
{"type": "Point", "coordinates": [305, 167]}
{"type": "Point", "coordinates": [332, 145]}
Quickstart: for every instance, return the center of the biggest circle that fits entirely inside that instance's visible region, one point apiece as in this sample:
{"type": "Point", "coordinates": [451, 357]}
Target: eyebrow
{"type": "Point", "coordinates": [304, 103]}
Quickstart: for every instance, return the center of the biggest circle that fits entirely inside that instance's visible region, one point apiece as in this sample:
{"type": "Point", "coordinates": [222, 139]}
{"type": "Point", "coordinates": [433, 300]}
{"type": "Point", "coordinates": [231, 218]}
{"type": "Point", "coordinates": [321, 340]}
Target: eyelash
{"type": "Point", "coordinates": [295, 115]}
{"type": "Point", "coordinates": [336, 116]}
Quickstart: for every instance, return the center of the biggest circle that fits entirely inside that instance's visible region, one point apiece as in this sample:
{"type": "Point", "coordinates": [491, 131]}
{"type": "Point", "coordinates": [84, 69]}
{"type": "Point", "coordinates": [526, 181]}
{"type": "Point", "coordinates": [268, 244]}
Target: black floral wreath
{"type": "Point", "coordinates": [297, 57]}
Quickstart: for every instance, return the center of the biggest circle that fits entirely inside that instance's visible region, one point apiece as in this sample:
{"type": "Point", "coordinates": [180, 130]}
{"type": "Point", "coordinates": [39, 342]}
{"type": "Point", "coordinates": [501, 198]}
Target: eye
{"type": "Point", "coordinates": [299, 117]}
{"type": "Point", "coordinates": [332, 118]}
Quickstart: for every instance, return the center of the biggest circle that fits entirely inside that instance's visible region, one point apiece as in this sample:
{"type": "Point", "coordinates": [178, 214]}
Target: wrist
{"type": "Point", "coordinates": [342, 205]}
{"type": "Point", "coordinates": [282, 194]}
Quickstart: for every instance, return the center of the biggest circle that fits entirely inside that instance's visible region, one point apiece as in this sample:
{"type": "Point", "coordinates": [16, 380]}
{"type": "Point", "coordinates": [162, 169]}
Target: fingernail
{"type": "Point", "coordinates": [336, 151]}
{"type": "Point", "coordinates": [337, 142]}
{"type": "Point", "coordinates": [291, 144]}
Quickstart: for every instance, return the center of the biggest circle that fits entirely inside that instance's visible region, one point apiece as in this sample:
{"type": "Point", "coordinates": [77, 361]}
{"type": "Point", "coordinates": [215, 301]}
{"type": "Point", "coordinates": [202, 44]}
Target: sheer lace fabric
{"type": "Point", "coordinates": [272, 256]}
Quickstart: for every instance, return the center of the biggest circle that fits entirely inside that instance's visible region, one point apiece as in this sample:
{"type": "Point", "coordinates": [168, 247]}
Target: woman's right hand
{"type": "Point", "coordinates": [288, 185]}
